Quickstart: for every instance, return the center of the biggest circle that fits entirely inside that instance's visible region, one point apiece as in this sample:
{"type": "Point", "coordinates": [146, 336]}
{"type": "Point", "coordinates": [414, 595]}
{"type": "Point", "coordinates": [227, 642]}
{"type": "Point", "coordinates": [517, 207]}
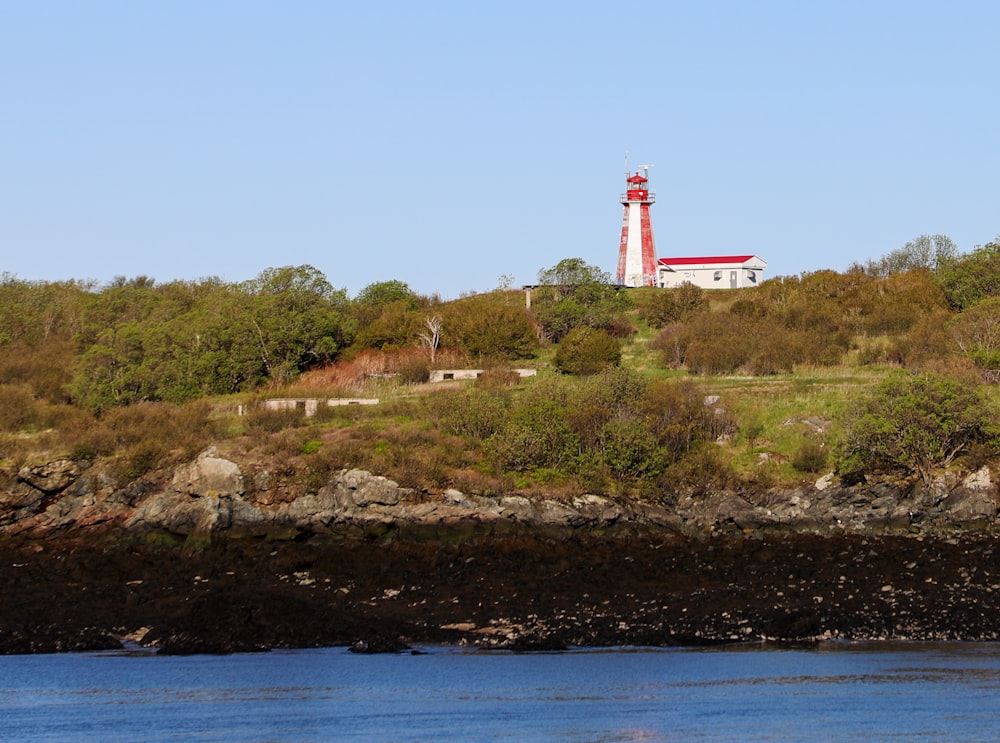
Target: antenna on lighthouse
{"type": "Point", "coordinates": [626, 164]}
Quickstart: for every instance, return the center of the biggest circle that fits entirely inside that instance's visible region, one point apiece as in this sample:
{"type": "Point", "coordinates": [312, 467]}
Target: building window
{"type": "Point", "coordinates": [717, 276]}
{"type": "Point", "coordinates": [752, 275]}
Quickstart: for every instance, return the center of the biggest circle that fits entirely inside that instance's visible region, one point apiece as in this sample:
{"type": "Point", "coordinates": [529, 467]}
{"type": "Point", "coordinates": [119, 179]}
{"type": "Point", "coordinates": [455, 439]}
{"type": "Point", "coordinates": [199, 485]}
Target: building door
{"type": "Point", "coordinates": [732, 279]}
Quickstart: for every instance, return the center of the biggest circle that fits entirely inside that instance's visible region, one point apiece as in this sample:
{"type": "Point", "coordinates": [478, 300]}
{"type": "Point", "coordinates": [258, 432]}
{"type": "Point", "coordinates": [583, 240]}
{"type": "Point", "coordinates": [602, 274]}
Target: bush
{"type": "Point", "coordinates": [46, 367]}
{"type": "Point", "coordinates": [973, 277]}
{"type": "Point", "coordinates": [679, 418]}
{"type": "Point", "coordinates": [138, 459]}
{"type": "Point", "coordinates": [498, 378]}
{"type": "Point", "coordinates": [977, 333]}
{"type": "Point", "coordinates": [489, 327]}
{"type": "Point", "coordinates": [776, 353]}
{"type": "Point", "coordinates": [703, 471]}
{"type": "Point", "coordinates": [537, 431]}
{"type": "Point", "coordinates": [18, 408]}
{"type": "Point", "coordinates": [671, 344]}
{"type": "Point", "coordinates": [666, 306]}
{"type": "Point", "coordinates": [587, 351]}
{"type": "Point", "coordinates": [414, 369]}
{"type": "Point", "coordinates": [578, 295]}
{"type": "Point", "coordinates": [716, 343]}
{"type": "Point", "coordinates": [629, 448]}
{"type": "Point", "coordinates": [915, 424]}
{"type": "Point", "coordinates": [927, 339]}
{"type": "Point", "coordinates": [810, 457]}
{"type": "Point", "coordinates": [478, 412]}
{"type": "Point", "coordinates": [265, 420]}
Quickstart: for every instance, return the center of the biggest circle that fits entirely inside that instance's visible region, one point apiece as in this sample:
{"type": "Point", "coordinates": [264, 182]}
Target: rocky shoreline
{"type": "Point", "coordinates": [217, 556]}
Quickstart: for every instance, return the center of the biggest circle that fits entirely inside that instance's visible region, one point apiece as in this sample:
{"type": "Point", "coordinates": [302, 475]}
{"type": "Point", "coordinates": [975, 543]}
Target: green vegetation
{"type": "Point", "coordinates": [916, 423]}
{"type": "Point", "coordinates": [587, 350]}
{"type": "Point", "coordinates": [888, 369]}
{"type": "Point", "coordinates": [575, 295]}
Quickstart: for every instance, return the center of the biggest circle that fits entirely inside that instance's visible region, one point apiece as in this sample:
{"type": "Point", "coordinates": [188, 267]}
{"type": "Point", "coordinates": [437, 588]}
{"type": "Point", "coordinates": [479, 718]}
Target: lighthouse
{"type": "Point", "coordinates": [637, 251]}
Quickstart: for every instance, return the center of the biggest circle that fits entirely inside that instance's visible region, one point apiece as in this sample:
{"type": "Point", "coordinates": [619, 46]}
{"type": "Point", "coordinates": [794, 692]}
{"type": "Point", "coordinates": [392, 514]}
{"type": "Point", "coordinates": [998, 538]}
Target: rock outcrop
{"type": "Point", "coordinates": [211, 495]}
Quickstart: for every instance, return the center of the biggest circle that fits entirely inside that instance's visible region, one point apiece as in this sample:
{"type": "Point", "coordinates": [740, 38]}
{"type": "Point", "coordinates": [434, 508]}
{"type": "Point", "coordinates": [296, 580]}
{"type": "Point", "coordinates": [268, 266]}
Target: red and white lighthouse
{"type": "Point", "coordinates": [637, 251]}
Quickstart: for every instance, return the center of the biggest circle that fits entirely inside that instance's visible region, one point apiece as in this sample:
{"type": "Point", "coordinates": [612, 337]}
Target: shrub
{"type": "Point", "coordinates": [498, 378]}
{"type": "Point", "coordinates": [138, 459]}
{"type": "Point", "coordinates": [46, 367]}
{"type": "Point", "coordinates": [665, 306]}
{"type": "Point", "coordinates": [704, 470]}
{"type": "Point", "coordinates": [973, 277]}
{"type": "Point", "coordinates": [629, 448]}
{"type": "Point", "coordinates": [977, 333]}
{"type": "Point", "coordinates": [578, 295]}
{"type": "Point", "coordinates": [489, 327]}
{"type": "Point", "coordinates": [715, 355]}
{"type": "Point", "coordinates": [587, 351]}
{"type": "Point", "coordinates": [414, 369]}
{"type": "Point", "coordinates": [18, 408]}
{"type": "Point", "coordinates": [265, 420]}
{"type": "Point", "coordinates": [914, 424]}
{"type": "Point", "coordinates": [874, 353]}
{"type": "Point", "coordinates": [668, 345]}
{"type": "Point", "coordinates": [927, 339]}
{"type": "Point", "coordinates": [679, 418]}
{"type": "Point", "coordinates": [811, 456]}
{"type": "Point", "coordinates": [477, 413]}
{"type": "Point", "coordinates": [537, 431]}
{"type": "Point", "coordinates": [395, 326]}
{"type": "Point", "coordinates": [775, 353]}
{"type": "Point", "coordinates": [716, 343]}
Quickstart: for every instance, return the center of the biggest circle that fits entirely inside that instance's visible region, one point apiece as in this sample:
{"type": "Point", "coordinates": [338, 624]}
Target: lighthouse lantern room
{"type": "Point", "coordinates": [637, 251]}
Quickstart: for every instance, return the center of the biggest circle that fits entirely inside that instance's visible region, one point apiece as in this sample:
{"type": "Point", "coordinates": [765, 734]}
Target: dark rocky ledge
{"type": "Point", "coordinates": [209, 558]}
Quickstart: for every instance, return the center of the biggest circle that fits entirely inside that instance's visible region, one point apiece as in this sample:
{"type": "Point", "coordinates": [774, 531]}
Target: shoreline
{"type": "Point", "coordinates": [513, 592]}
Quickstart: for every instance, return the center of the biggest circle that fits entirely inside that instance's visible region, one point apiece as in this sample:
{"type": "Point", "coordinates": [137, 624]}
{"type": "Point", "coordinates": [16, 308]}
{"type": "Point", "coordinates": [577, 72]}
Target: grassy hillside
{"type": "Point", "coordinates": [744, 389]}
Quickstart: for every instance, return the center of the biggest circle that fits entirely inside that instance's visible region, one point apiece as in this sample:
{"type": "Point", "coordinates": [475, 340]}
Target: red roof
{"type": "Point", "coordinates": [698, 260]}
{"type": "Point", "coordinates": [637, 179]}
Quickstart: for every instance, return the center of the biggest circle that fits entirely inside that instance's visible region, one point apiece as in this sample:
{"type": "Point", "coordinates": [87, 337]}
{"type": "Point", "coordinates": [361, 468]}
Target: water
{"type": "Point", "coordinates": [838, 692]}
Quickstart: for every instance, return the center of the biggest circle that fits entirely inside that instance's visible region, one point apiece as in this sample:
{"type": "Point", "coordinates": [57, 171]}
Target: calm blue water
{"type": "Point", "coordinates": [838, 692]}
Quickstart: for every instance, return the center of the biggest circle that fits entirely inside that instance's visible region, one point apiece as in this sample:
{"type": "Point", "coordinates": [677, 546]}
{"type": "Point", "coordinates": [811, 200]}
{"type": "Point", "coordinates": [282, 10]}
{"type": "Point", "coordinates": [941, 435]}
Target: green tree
{"type": "Point", "coordinates": [396, 326]}
{"type": "Point", "coordinates": [973, 277]}
{"type": "Point", "coordinates": [385, 292]}
{"type": "Point", "coordinates": [297, 319]}
{"type": "Point", "coordinates": [574, 294]}
{"type": "Point", "coordinates": [571, 272]}
{"type": "Point", "coordinates": [371, 302]}
{"type": "Point", "coordinates": [143, 342]}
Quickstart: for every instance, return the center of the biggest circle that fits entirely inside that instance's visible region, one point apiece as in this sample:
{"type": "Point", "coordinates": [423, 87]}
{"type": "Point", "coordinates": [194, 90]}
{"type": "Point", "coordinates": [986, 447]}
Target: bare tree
{"type": "Point", "coordinates": [432, 336]}
{"type": "Point", "coordinates": [928, 252]}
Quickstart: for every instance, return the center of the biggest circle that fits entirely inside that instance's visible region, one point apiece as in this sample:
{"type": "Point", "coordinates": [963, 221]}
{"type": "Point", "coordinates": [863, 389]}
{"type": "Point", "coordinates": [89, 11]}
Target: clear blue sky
{"type": "Point", "coordinates": [449, 143]}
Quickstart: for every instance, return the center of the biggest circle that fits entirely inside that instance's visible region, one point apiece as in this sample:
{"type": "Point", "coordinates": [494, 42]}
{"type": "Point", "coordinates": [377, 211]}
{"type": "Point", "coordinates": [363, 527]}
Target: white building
{"type": "Point", "coordinates": [711, 272]}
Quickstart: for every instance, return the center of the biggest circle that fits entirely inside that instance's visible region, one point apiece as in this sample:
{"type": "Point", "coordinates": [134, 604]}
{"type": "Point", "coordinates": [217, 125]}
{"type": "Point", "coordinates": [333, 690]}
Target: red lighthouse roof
{"type": "Point", "coordinates": [637, 179]}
